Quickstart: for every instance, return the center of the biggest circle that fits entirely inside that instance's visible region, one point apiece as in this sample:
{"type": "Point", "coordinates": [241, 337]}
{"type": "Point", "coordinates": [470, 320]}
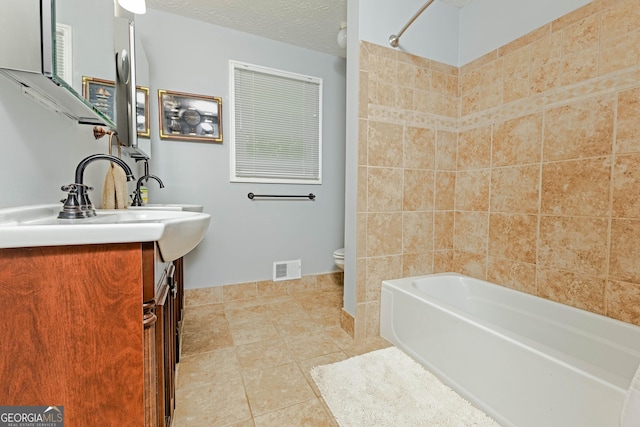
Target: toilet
{"type": "Point", "coordinates": [338, 256]}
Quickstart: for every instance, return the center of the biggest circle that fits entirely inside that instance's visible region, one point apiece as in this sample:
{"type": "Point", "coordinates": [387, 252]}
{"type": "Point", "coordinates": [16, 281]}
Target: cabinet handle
{"type": "Point", "coordinates": [149, 319]}
{"type": "Point", "coordinates": [171, 280]}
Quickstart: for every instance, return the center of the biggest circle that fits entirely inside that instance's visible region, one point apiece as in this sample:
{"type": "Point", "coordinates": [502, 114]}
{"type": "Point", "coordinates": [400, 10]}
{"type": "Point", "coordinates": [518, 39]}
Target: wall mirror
{"type": "Point", "coordinates": [83, 47]}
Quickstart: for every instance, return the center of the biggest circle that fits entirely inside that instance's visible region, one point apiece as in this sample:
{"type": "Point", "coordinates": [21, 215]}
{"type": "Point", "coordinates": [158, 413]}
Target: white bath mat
{"type": "Point", "coordinates": [386, 388]}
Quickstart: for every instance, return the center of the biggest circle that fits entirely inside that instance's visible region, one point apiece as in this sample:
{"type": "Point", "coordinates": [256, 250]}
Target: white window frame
{"type": "Point", "coordinates": [270, 71]}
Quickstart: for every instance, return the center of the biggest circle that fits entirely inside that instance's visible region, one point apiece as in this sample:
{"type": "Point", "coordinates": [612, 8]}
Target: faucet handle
{"type": "Point", "coordinates": [70, 188]}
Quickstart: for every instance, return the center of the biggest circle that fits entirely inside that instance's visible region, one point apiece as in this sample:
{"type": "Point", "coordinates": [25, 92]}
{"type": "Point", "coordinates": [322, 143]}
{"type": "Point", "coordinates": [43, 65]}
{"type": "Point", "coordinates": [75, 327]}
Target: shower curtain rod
{"type": "Point", "coordinates": [394, 39]}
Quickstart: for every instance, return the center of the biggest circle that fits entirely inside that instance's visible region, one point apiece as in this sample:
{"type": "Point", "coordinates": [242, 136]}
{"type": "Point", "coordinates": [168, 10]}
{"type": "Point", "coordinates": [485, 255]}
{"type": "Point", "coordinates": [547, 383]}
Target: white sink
{"type": "Point", "coordinates": [177, 232]}
{"type": "Point", "coordinates": [169, 207]}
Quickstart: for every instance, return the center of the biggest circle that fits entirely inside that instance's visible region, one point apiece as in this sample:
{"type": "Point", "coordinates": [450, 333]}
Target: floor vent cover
{"type": "Point", "coordinates": [287, 270]}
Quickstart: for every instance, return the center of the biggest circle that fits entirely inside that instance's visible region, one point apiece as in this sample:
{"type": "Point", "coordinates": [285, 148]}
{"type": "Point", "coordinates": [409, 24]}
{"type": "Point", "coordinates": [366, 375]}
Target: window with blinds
{"type": "Point", "coordinates": [64, 55]}
{"type": "Point", "coordinates": [276, 126]}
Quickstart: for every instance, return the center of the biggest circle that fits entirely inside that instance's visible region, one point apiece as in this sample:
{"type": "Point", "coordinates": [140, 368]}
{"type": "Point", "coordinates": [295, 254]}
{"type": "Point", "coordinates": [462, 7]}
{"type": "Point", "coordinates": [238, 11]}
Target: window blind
{"type": "Point", "coordinates": [64, 55]}
{"type": "Point", "coordinates": [277, 121]}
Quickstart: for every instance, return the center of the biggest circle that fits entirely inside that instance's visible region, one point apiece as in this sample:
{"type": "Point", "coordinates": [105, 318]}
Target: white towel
{"type": "Point", "coordinates": [630, 416]}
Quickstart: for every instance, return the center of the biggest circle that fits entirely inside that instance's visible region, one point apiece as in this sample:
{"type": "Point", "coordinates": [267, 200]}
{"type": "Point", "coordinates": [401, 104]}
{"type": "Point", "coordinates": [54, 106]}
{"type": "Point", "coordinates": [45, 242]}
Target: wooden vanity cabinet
{"type": "Point", "coordinates": [90, 328]}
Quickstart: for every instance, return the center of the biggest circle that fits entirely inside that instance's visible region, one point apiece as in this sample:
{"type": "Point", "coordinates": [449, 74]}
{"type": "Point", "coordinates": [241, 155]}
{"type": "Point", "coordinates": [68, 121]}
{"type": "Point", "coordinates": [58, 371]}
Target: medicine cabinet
{"type": "Point", "coordinates": [51, 47]}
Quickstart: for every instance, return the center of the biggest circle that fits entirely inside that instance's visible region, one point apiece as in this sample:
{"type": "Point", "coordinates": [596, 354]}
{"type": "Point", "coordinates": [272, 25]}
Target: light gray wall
{"type": "Point", "coordinates": [40, 150]}
{"type": "Point", "coordinates": [433, 35]}
{"type": "Point", "coordinates": [488, 24]}
{"type": "Point", "coordinates": [245, 237]}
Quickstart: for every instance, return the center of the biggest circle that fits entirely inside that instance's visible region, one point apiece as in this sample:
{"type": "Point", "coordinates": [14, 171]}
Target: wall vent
{"type": "Point", "coordinates": [287, 270]}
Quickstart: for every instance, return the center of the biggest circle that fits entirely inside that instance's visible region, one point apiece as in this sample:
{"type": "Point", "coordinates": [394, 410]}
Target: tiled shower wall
{"type": "Point", "coordinates": [522, 167]}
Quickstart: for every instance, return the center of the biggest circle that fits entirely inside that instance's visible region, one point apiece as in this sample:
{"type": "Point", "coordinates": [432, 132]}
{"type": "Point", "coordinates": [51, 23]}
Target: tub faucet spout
{"type": "Point", "coordinates": [77, 204]}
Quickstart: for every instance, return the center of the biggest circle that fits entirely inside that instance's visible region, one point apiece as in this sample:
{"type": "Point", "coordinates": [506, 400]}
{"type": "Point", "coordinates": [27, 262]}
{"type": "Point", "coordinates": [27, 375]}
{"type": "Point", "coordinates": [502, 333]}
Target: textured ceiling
{"type": "Point", "coordinates": [312, 24]}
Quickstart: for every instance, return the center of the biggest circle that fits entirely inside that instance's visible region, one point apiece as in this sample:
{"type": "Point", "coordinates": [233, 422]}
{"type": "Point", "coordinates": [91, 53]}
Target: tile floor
{"type": "Point", "coordinates": [246, 363]}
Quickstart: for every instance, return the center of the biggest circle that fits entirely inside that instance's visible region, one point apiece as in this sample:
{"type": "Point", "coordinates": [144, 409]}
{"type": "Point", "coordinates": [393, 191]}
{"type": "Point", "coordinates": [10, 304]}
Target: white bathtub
{"type": "Point", "coordinates": [523, 360]}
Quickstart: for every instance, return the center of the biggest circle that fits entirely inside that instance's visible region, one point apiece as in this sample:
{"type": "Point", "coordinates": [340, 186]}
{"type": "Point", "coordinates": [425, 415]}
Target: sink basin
{"type": "Point", "coordinates": [177, 232]}
{"type": "Point", "coordinates": [169, 207]}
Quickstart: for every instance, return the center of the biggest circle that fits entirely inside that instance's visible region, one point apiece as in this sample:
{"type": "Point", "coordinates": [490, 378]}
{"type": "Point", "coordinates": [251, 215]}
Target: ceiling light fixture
{"type": "Point", "coordinates": [138, 7]}
{"type": "Point", "coordinates": [342, 36]}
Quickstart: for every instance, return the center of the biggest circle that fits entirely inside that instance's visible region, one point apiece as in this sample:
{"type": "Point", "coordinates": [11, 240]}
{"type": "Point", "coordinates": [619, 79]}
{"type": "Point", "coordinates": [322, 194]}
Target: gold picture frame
{"type": "Point", "coordinates": [187, 116]}
{"type": "Point", "coordinates": [101, 94]}
{"type": "Point", "coordinates": [142, 112]}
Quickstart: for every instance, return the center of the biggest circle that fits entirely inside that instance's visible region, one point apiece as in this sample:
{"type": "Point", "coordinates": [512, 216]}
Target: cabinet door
{"type": "Point", "coordinates": [71, 332]}
{"type": "Point", "coordinates": [165, 344]}
{"type": "Point", "coordinates": [149, 322]}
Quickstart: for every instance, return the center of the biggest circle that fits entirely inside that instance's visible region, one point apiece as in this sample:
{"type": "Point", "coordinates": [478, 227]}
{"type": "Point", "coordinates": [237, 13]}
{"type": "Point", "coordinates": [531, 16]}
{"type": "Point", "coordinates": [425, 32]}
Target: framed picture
{"type": "Point", "coordinates": [190, 117]}
{"type": "Point", "coordinates": [142, 111]}
{"type": "Point", "coordinates": [101, 93]}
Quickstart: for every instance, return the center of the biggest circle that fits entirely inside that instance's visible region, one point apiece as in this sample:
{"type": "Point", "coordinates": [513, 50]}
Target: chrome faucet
{"type": "Point", "coordinates": [137, 197]}
{"type": "Point", "coordinates": [77, 204]}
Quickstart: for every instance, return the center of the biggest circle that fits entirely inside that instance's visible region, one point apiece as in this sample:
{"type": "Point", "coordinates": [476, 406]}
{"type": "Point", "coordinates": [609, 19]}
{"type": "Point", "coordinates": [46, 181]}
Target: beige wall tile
{"type": "Point", "coordinates": [361, 280]}
{"type": "Point", "coordinates": [546, 63]}
{"type": "Point", "coordinates": [382, 189]}
{"type": "Point", "coordinates": [580, 66]}
{"type": "Point", "coordinates": [419, 187]}
{"type": "Point", "coordinates": [471, 232]}
{"type": "Point", "coordinates": [363, 187]}
{"type": "Point", "coordinates": [446, 150]}
{"type": "Point", "coordinates": [384, 144]}
{"type": "Point", "coordinates": [472, 190]}
{"type": "Point", "coordinates": [363, 94]}
{"type": "Point", "coordinates": [572, 289]}
{"type": "Point", "coordinates": [361, 235]}
{"type": "Point", "coordinates": [516, 75]}
{"type": "Point", "coordinates": [417, 232]}
{"type": "Point", "coordinates": [515, 189]}
{"type": "Point", "coordinates": [406, 74]}
{"type": "Point", "coordinates": [422, 78]}
{"type": "Point", "coordinates": [417, 264]}
{"type": "Point", "coordinates": [419, 148]}
{"type": "Point", "coordinates": [577, 244]}
{"type": "Point", "coordinates": [471, 264]}
{"type": "Point", "coordinates": [384, 234]}
{"type": "Point", "coordinates": [379, 269]}
{"type": "Point", "coordinates": [578, 130]}
{"type": "Point", "coordinates": [626, 186]}
{"type": "Point", "coordinates": [363, 126]}
{"type": "Point", "coordinates": [239, 291]}
{"type": "Point", "coordinates": [625, 247]}
{"type": "Point", "coordinates": [443, 261]}
{"type": "Point", "coordinates": [517, 141]}
{"type": "Point", "coordinates": [347, 322]}
{"type": "Point", "coordinates": [578, 187]}
{"type": "Point", "coordinates": [623, 301]}
{"type": "Point", "coordinates": [443, 230]}
{"type": "Point", "coordinates": [620, 53]}
{"type": "Point", "coordinates": [445, 191]}
{"type": "Point", "coordinates": [513, 237]}
{"type": "Point", "coordinates": [474, 148]}
{"type": "Point", "coordinates": [581, 35]}
{"type": "Point", "coordinates": [269, 288]}
{"type": "Point", "coordinates": [525, 41]}
{"type": "Point", "coordinates": [372, 319]}
{"type": "Point", "coordinates": [620, 19]}
{"type": "Point", "coordinates": [386, 94]}
{"type": "Point", "coordinates": [512, 274]}
{"type": "Point", "coordinates": [628, 130]}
